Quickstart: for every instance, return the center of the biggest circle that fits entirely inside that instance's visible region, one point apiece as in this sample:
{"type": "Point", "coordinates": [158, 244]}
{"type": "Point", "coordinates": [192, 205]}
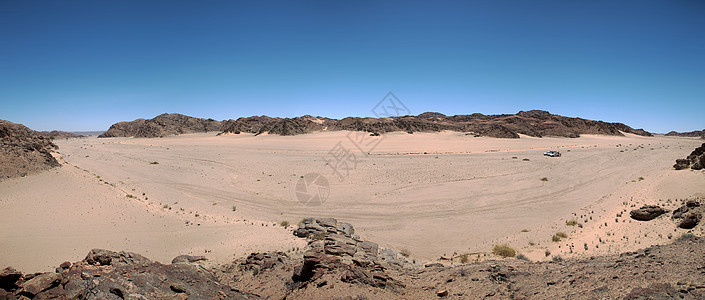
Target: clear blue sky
{"type": "Point", "coordinates": [83, 65]}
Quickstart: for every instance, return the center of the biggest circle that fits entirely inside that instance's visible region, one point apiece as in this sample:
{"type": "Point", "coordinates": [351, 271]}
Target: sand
{"type": "Point", "coordinates": [428, 194]}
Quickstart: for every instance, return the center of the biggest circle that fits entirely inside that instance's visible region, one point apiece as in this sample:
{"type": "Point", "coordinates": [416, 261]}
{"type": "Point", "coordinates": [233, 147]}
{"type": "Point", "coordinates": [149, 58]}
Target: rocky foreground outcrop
{"type": "Point", "coordinates": [338, 264]}
{"type": "Point", "coordinates": [534, 123]}
{"type": "Point", "coordinates": [695, 161]}
{"type": "Point", "coordinates": [23, 151]}
{"type": "Point", "coordinates": [106, 274]}
{"type": "Point", "coordinates": [161, 126]}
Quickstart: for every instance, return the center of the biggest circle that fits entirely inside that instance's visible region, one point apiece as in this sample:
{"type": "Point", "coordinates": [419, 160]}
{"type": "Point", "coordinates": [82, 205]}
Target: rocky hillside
{"type": "Point", "coordinates": [58, 134]}
{"type": "Point", "coordinates": [161, 126]}
{"type": "Point", "coordinates": [337, 264]}
{"type": "Point", "coordinates": [696, 133]}
{"type": "Point", "coordinates": [695, 161]}
{"type": "Point", "coordinates": [23, 151]}
{"type": "Point", "coordinates": [534, 123]}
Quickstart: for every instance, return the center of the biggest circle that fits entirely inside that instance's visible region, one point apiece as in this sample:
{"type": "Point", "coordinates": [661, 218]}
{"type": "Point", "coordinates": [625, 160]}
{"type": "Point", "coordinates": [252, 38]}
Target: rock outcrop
{"type": "Point", "coordinates": [106, 274]}
{"type": "Point", "coordinates": [646, 213]}
{"type": "Point", "coordinates": [663, 271]}
{"type": "Point", "coordinates": [161, 126]}
{"type": "Point", "coordinates": [695, 161]}
{"type": "Point", "coordinates": [24, 151]}
{"type": "Point", "coordinates": [688, 215]}
{"type": "Point", "coordinates": [534, 123]}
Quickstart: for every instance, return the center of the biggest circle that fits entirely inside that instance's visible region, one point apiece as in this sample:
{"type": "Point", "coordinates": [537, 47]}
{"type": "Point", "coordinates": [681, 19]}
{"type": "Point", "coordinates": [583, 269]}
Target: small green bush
{"type": "Point", "coordinates": [234, 208]}
{"type": "Point", "coordinates": [558, 236]}
{"type": "Point", "coordinates": [154, 163]}
{"type": "Point", "coordinates": [571, 222]}
{"type": "Point", "coordinates": [284, 223]}
{"type": "Point", "coordinates": [544, 179]}
{"type": "Point", "coordinates": [504, 250]}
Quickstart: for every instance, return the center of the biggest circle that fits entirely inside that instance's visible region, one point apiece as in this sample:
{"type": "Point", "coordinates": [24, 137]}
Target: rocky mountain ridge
{"type": "Point", "coordinates": [695, 133]}
{"type": "Point", "coordinates": [24, 151]}
{"type": "Point", "coordinates": [161, 126]}
{"type": "Point", "coordinates": [535, 123]}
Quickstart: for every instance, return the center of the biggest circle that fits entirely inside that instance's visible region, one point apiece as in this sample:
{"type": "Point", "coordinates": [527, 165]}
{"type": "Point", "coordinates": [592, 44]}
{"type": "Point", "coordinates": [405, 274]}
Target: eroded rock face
{"type": "Point", "coordinates": [161, 126]}
{"type": "Point", "coordinates": [23, 151]}
{"type": "Point", "coordinates": [646, 212]}
{"type": "Point", "coordinates": [534, 123]}
{"type": "Point", "coordinates": [695, 161]}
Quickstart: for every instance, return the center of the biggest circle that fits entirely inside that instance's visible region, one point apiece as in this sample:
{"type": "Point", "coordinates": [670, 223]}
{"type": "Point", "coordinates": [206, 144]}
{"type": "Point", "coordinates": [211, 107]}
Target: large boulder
{"type": "Point", "coordinates": [690, 220]}
{"type": "Point", "coordinates": [646, 212]}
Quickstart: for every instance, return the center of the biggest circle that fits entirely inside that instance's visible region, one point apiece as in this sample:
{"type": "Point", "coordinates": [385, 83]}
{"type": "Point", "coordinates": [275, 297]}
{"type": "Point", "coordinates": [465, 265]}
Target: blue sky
{"type": "Point", "coordinates": [83, 65]}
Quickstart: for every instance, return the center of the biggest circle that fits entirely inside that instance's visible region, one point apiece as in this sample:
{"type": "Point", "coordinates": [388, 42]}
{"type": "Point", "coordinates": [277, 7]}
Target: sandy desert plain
{"type": "Point", "coordinates": [428, 195]}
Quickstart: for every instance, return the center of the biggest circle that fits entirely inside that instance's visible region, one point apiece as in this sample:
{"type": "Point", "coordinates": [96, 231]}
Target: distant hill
{"type": "Point", "coordinates": [57, 134]}
{"type": "Point", "coordinates": [23, 151]}
{"type": "Point", "coordinates": [536, 123]}
{"type": "Point", "coordinates": [696, 133]}
{"type": "Point", "coordinates": [161, 126]}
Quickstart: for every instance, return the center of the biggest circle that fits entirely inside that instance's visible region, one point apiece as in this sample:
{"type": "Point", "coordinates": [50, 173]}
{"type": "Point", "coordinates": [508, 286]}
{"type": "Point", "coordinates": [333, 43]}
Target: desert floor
{"type": "Point", "coordinates": [431, 195]}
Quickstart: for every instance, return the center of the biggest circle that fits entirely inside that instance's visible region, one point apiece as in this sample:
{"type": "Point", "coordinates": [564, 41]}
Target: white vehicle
{"type": "Point", "coordinates": [552, 154]}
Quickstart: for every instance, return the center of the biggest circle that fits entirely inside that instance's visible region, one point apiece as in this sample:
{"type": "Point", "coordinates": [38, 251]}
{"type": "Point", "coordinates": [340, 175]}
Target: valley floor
{"type": "Point", "coordinates": [429, 195]}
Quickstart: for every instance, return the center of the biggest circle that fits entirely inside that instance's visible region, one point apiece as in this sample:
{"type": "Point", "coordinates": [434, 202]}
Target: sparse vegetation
{"type": "Point", "coordinates": [524, 230]}
{"type": "Point", "coordinates": [571, 222]}
{"type": "Point", "coordinates": [154, 163]}
{"type": "Point", "coordinates": [547, 253]}
{"type": "Point", "coordinates": [558, 236]}
{"type": "Point", "coordinates": [130, 196]}
{"type": "Point", "coordinates": [522, 257]}
{"type": "Point", "coordinates": [526, 159]}
{"type": "Point", "coordinates": [284, 223]}
{"type": "Point", "coordinates": [318, 236]}
{"type": "Point", "coordinates": [640, 178]}
{"type": "Point", "coordinates": [504, 250]}
{"type": "Point", "coordinates": [234, 208]}
{"type": "Point", "coordinates": [464, 258]}
{"type": "Point", "coordinates": [685, 236]}
{"type": "Point", "coordinates": [544, 179]}
{"type": "Point", "coordinates": [557, 258]}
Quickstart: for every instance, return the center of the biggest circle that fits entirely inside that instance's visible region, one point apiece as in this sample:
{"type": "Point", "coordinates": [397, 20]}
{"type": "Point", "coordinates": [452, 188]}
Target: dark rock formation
{"type": "Point", "coordinates": [688, 215]}
{"type": "Point", "coordinates": [695, 161]}
{"type": "Point", "coordinates": [646, 212]}
{"type": "Point", "coordinates": [57, 134]}
{"type": "Point", "coordinates": [161, 126]}
{"type": "Point", "coordinates": [534, 123]}
{"type": "Point", "coordinates": [23, 151]}
{"type": "Point", "coordinates": [105, 274]}
{"type": "Point", "coordinates": [696, 133]}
